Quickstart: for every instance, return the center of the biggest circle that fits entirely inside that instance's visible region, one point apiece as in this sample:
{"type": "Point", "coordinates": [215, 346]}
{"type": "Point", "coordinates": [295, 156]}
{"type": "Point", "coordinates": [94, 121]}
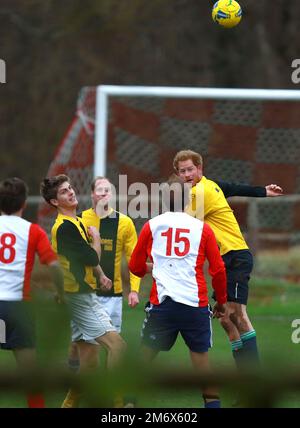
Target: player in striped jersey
{"type": "Point", "coordinates": [20, 240]}
{"type": "Point", "coordinates": [118, 237]}
{"type": "Point", "coordinates": [79, 259]}
{"type": "Point", "coordinates": [178, 245]}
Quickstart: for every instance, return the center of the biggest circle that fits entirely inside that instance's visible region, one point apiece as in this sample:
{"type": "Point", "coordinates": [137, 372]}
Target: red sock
{"type": "Point", "coordinates": [35, 401]}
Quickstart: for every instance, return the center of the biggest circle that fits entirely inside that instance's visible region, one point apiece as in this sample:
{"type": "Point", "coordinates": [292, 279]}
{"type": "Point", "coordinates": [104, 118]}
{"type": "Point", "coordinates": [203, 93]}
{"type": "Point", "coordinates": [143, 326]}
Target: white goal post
{"type": "Point", "coordinates": [104, 92]}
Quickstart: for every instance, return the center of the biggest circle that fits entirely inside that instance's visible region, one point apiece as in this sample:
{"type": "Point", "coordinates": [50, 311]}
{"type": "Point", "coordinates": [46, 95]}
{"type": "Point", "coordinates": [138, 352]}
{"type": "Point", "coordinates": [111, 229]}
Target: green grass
{"type": "Point", "coordinates": [272, 308]}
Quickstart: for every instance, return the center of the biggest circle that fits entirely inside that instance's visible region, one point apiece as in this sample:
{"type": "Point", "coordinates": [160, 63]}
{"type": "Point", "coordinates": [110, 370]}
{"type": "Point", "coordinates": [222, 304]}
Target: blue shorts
{"type": "Point", "coordinates": [17, 326]}
{"type": "Point", "coordinates": [163, 323]}
{"type": "Point", "coordinates": [238, 265]}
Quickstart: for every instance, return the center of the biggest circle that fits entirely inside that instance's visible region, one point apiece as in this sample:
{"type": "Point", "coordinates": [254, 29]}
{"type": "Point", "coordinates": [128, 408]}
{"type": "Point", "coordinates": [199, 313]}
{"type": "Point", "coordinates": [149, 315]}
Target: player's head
{"type": "Point", "coordinates": [13, 195]}
{"type": "Point", "coordinates": [175, 194]}
{"type": "Point", "coordinates": [58, 192]}
{"type": "Point", "coordinates": [188, 165]}
{"type": "Point", "coordinates": [101, 191]}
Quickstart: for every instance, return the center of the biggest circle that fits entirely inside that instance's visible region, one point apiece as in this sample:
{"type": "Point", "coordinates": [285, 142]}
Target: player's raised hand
{"type": "Point", "coordinates": [274, 190]}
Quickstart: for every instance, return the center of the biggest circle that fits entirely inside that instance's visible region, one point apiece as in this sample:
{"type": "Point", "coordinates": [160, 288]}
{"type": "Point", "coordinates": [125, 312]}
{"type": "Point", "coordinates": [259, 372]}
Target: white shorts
{"type": "Point", "coordinates": [113, 306]}
{"type": "Point", "coordinates": [89, 318]}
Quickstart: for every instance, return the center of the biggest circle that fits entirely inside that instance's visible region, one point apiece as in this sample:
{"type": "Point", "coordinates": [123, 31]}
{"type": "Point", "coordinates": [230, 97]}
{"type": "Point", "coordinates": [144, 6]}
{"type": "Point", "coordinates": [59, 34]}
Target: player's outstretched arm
{"type": "Point", "coordinates": [240, 189]}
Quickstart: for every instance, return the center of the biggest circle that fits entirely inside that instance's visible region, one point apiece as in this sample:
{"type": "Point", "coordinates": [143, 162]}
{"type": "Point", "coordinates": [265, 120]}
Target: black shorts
{"type": "Point", "coordinates": [17, 326]}
{"type": "Point", "coordinates": [238, 265]}
{"type": "Point", "coordinates": [163, 323]}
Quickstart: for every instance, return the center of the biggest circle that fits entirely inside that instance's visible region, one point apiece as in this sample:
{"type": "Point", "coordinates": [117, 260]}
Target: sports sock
{"type": "Point", "coordinates": [35, 401]}
{"type": "Point", "coordinates": [216, 404]}
{"type": "Point", "coordinates": [74, 365]}
{"type": "Point", "coordinates": [250, 350]}
{"type": "Point", "coordinates": [72, 399]}
{"type": "Point", "coordinates": [118, 401]}
{"type": "Point", "coordinates": [237, 352]}
{"type": "Point", "coordinates": [130, 401]}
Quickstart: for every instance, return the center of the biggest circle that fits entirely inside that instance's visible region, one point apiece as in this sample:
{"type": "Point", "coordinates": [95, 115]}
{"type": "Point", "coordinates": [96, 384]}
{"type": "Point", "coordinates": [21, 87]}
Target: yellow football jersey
{"type": "Point", "coordinates": [76, 256]}
{"type": "Point", "coordinates": [118, 236]}
{"type": "Point", "coordinates": [209, 204]}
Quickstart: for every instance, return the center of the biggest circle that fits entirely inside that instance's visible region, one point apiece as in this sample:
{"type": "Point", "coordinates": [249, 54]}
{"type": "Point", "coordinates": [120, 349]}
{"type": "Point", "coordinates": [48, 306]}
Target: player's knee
{"type": "Point", "coordinates": [92, 362]}
{"type": "Point", "coordinates": [235, 318]}
{"type": "Point", "coordinates": [122, 345]}
{"type": "Point", "coordinates": [226, 323]}
{"type": "Point", "coordinates": [88, 357]}
{"type": "Point", "coordinates": [245, 322]}
{"type": "Point", "coordinates": [118, 345]}
{"type": "Point", "coordinates": [73, 351]}
{"type": "Point", "coordinates": [241, 320]}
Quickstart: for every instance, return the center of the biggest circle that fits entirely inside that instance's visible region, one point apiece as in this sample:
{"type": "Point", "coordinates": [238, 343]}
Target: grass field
{"type": "Point", "coordinates": [272, 307]}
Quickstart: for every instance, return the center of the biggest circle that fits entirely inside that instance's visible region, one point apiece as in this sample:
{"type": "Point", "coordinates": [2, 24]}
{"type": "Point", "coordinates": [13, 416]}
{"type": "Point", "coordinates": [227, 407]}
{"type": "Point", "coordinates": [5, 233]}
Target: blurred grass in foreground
{"type": "Point", "coordinates": [273, 305]}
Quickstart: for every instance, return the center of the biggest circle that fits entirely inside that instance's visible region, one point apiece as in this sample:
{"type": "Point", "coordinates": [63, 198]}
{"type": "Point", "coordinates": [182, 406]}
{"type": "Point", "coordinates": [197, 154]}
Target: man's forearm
{"type": "Point", "coordinates": [104, 281]}
{"type": "Point", "coordinates": [149, 267]}
{"type": "Point", "coordinates": [96, 245]}
{"type": "Point", "coordinates": [98, 271]}
{"type": "Point", "coordinates": [57, 277]}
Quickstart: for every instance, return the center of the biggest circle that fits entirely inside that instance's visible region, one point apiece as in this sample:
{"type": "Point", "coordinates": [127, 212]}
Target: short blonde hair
{"type": "Point", "coordinates": [184, 155]}
{"type": "Point", "coordinates": [99, 177]}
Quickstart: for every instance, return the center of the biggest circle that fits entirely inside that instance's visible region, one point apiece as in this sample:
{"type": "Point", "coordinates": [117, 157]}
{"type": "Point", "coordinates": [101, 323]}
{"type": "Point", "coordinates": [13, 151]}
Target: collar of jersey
{"type": "Point", "coordinates": [66, 217]}
{"type": "Point", "coordinates": [202, 180]}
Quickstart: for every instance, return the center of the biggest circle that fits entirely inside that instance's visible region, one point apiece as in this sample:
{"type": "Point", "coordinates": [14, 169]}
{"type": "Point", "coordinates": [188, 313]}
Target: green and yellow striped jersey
{"type": "Point", "coordinates": [118, 236]}
{"type": "Point", "coordinates": [77, 258]}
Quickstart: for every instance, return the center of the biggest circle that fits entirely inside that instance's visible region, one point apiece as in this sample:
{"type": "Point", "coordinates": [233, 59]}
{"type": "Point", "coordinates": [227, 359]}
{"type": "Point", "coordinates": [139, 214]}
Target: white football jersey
{"type": "Point", "coordinates": [178, 245]}
{"type": "Point", "coordinates": [175, 251]}
{"type": "Point", "coordinates": [20, 240]}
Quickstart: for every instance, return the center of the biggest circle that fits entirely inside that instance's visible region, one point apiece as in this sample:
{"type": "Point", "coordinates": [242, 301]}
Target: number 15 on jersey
{"type": "Point", "coordinates": [178, 242]}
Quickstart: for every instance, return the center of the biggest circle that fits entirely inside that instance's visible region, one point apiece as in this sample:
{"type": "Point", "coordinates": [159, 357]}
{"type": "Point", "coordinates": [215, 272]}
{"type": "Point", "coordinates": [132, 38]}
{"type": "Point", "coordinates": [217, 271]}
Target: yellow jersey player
{"type": "Point", "coordinates": [90, 323]}
{"type": "Point", "coordinates": [209, 203]}
{"type": "Point", "coordinates": [118, 238]}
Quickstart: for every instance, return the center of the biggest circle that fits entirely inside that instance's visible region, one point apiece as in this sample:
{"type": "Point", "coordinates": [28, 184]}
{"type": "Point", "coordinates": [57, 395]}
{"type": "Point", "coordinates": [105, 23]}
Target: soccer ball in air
{"type": "Point", "coordinates": [227, 13]}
